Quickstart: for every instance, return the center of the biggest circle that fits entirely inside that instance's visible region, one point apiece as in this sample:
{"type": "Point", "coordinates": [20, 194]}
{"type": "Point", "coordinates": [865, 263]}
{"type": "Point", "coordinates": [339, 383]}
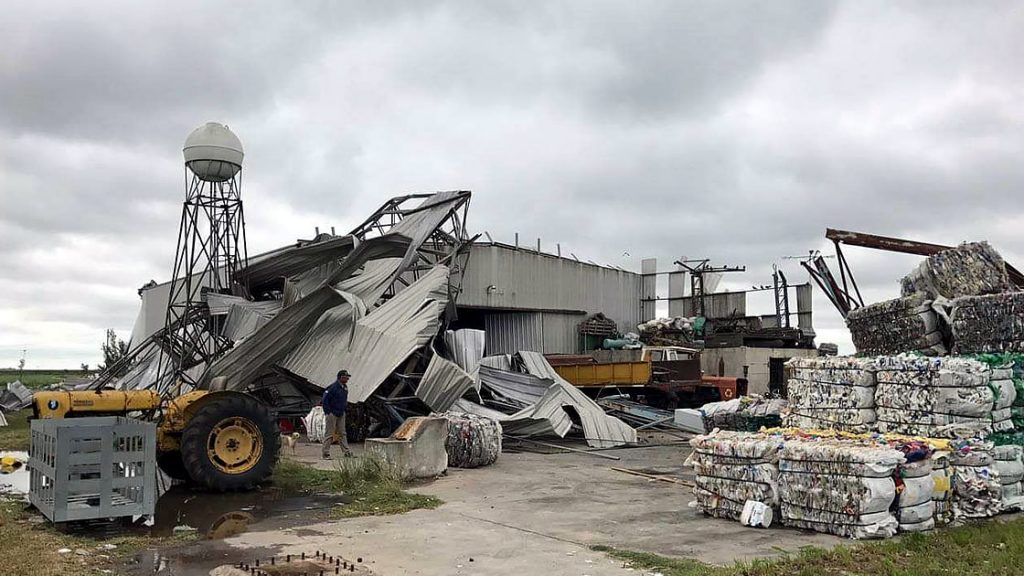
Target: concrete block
{"type": "Point", "coordinates": [416, 449]}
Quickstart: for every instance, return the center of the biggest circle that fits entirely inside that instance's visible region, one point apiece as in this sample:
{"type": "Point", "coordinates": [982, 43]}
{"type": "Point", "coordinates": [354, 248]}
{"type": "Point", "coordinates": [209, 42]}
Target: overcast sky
{"type": "Point", "coordinates": [736, 131]}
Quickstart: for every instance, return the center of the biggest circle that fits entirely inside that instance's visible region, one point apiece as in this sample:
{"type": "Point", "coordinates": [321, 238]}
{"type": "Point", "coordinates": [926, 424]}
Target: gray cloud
{"type": "Point", "coordinates": [732, 131]}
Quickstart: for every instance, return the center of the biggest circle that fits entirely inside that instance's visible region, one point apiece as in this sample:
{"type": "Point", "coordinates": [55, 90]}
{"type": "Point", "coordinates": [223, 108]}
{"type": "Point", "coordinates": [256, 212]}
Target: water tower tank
{"type": "Point", "coordinates": [213, 152]}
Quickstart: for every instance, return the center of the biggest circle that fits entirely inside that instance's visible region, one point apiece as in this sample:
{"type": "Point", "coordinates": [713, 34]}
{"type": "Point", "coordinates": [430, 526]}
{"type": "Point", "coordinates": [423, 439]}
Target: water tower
{"type": "Point", "coordinates": [211, 248]}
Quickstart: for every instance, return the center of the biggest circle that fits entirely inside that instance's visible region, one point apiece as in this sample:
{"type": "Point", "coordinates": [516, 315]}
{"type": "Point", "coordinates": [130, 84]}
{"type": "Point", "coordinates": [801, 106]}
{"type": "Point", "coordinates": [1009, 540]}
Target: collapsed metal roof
{"type": "Point", "coordinates": [372, 303]}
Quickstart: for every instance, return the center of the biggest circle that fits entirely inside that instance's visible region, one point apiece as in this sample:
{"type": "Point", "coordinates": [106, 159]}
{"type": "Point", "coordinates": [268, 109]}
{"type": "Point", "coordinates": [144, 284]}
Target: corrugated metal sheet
{"type": "Point", "coordinates": [243, 363]}
{"type": "Point", "coordinates": [508, 333]}
{"type": "Point", "coordinates": [466, 347]}
{"type": "Point", "coordinates": [600, 429]}
{"type": "Point", "coordinates": [380, 341]}
{"type": "Point", "coordinates": [804, 302]}
{"type": "Point", "coordinates": [442, 384]}
{"type": "Point", "coordinates": [506, 278]}
{"type": "Point", "coordinates": [561, 333]}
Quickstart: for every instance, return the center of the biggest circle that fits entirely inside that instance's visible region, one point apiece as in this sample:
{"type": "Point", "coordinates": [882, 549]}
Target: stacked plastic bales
{"type": "Point", "coordinates": [733, 467]}
{"type": "Point", "coordinates": [842, 488]}
{"type": "Point", "coordinates": [832, 393]}
{"type": "Point", "coordinates": [894, 326]}
{"type": "Point", "coordinates": [933, 397]}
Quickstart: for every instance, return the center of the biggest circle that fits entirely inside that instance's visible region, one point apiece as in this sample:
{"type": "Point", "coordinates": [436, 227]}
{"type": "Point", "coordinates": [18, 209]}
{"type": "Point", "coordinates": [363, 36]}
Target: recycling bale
{"type": "Point", "coordinates": [907, 324]}
{"type": "Point", "coordinates": [977, 490]}
{"type": "Point", "coordinates": [839, 487]}
{"type": "Point", "coordinates": [472, 441]}
{"type": "Point", "coordinates": [732, 468]}
{"type": "Point", "coordinates": [988, 324]}
{"type": "Point", "coordinates": [831, 393]}
{"type": "Point", "coordinates": [933, 397]}
{"type": "Point", "coordinates": [970, 269]}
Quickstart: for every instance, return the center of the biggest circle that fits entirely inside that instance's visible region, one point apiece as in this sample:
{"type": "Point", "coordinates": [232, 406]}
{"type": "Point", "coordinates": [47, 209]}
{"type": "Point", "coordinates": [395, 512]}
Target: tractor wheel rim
{"type": "Point", "coordinates": [235, 445]}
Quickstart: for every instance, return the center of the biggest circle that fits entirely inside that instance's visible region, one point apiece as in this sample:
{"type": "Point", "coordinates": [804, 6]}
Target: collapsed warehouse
{"type": "Point", "coordinates": [376, 302]}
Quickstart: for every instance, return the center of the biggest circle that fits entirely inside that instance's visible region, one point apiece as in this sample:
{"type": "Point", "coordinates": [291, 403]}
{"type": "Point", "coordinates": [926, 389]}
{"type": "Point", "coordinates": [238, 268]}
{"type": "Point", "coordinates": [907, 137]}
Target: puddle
{"type": "Point", "coordinates": [219, 516]}
{"type": "Point", "coordinates": [14, 476]}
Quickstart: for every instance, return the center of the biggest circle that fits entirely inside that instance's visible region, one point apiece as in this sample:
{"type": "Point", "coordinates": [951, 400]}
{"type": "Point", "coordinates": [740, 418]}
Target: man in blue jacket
{"type": "Point", "coordinates": [335, 403]}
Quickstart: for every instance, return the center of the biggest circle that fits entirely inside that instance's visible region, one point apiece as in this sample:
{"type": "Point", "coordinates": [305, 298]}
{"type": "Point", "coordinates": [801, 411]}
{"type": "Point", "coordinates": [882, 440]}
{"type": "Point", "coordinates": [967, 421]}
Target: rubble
{"type": "Point", "coordinates": [15, 396]}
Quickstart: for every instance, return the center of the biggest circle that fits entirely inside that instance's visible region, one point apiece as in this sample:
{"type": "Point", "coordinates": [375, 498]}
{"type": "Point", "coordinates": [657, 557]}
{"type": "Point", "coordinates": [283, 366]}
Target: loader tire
{"type": "Point", "coordinates": [232, 443]}
{"type": "Point", "coordinates": [172, 465]}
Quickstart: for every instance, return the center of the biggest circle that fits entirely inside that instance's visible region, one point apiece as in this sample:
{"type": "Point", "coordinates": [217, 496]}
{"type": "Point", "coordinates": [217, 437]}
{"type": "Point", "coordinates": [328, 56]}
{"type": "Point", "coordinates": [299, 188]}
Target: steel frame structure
{"type": "Point", "coordinates": [211, 248]}
{"type": "Point", "coordinates": [447, 244]}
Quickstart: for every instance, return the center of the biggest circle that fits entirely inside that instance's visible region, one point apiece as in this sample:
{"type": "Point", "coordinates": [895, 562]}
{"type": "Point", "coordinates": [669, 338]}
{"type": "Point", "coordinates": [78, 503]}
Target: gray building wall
{"type": "Point", "coordinates": [539, 299]}
{"type": "Point", "coordinates": [755, 360]}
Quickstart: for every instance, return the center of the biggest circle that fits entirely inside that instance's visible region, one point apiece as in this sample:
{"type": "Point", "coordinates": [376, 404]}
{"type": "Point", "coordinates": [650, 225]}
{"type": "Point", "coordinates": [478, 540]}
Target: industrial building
{"type": "Point", "coordinates": [739, 344]}
{"type": "Point", "coordinates": [526, 299]}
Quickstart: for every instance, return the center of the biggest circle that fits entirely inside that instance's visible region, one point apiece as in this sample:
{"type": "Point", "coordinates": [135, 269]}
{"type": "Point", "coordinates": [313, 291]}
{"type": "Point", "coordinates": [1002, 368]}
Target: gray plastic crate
{"type": "Point", "coordinates": [88, 468]}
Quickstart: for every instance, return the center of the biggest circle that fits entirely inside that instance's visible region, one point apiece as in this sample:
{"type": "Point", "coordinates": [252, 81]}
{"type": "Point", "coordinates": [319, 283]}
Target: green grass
{"type": "Point", "coordinates": [374, 490]}
{"type": "Point", "coordinates": [993, 548]}
{"type": "Point", "coordinates": [15, 436]}
{"type": "Point", "coordinates": [39, 378]}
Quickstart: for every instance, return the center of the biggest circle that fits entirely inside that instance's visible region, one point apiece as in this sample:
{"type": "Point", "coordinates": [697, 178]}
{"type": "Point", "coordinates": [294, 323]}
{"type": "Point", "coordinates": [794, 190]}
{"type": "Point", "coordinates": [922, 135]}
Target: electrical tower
{"type": "Point", "coordinates": [211, 249]}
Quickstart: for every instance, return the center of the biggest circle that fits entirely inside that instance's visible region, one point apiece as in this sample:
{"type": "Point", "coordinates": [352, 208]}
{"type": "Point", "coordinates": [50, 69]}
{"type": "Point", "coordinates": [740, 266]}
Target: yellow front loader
{"type": "Point", "coordinates": [221, 440]}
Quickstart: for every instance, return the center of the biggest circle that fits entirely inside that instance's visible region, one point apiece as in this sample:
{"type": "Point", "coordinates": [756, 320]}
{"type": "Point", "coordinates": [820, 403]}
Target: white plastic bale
{"type": "Point", "coordinates": [977, 491]}
{"type": "Point", "coordinates": [835, 393]}
{"type": "Point", "coordinates": [908, 324]}
{"type": "Point", "coordinates": [988, 324]}
{"type": "Point", "coordinates": [935, 397]}
{"type": "Point", "coordinates": [732, 468]}
{"type": "Point", "coordinates": [838, 487]}
{"type": "Point", "coordinates": [966, 270]}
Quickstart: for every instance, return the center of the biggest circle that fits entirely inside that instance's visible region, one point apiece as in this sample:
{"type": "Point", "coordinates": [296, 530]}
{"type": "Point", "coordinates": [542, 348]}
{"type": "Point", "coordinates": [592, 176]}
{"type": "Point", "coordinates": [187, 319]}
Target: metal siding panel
{"type": "Point", "coordinates": [804, 301]}
{"type": "Point", "coordinates": [527, 280]}
{"type": "Point", "coordinates": [561, 335]}
{"type": "Point", "coordinates": [510, 332]}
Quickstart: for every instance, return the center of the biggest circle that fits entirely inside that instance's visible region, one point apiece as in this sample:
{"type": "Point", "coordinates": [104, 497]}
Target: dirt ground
{"type": "Point", "coordinates": [527, 514]}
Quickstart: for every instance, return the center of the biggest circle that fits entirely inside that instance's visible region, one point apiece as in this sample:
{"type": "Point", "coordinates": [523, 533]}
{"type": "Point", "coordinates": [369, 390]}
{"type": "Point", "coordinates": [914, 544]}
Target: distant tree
{"type": "Point", "coordinates": [84, 367]}
{"type": "Point", "coordinates": [21, 364]}
{"type": "Point", "coordinates": [113, 349]}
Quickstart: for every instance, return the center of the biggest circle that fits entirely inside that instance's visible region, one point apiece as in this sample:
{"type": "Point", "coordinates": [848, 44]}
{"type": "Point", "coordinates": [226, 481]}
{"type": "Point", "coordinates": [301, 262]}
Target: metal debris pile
{"type": "Point", "coordinates": [836, 392]}
{"type": "Point", "coordinates": [529, 398]}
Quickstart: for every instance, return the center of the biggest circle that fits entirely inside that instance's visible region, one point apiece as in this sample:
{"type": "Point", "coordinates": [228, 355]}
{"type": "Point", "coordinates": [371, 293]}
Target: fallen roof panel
{"type": "Point", "coordinates": [600, 429]}
{"type": "Point", "coordinates": [442, 384]}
